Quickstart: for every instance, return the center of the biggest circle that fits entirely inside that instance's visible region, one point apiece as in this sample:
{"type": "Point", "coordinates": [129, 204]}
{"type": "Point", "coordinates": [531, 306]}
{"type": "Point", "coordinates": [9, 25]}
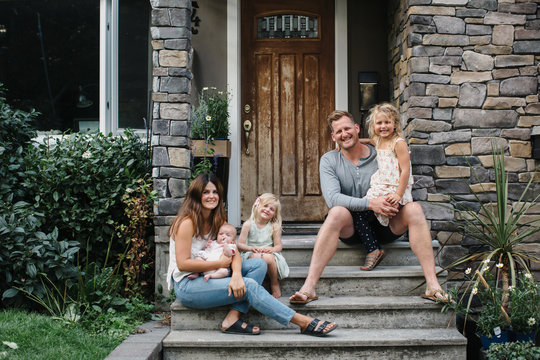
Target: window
{"type": "Point", "coordinates": [83, 64]}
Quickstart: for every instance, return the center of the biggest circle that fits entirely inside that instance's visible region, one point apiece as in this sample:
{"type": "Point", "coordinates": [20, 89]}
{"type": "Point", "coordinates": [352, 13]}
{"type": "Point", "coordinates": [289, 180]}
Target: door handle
{"type": "Point", "coordinates": [247, 129]}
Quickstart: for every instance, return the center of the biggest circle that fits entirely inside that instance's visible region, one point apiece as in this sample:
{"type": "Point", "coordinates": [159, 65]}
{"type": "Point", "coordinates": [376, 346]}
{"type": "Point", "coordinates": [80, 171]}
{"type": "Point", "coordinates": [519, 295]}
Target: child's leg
{"type": "Point", "coordinates": [216, 274]}
{"type": "Point", "coordinates": [272, 273]}
{"type": "Point", "coordinates": [363, 229]}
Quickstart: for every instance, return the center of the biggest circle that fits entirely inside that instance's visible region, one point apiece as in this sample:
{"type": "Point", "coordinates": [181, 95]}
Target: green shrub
{"type": "Point", "coordinates": [78, 183]}
{"type": "Point", "coordinates": [27, 253]}
{"type": "Point", "coordinates": [513, 351]}
{"type": "Point", "coordinates": [16, 133]}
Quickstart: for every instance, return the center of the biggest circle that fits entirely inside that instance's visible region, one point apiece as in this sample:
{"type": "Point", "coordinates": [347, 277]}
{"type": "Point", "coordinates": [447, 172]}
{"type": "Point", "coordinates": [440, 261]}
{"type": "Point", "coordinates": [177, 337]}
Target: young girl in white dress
{"type": "Point", "coordinates": [393, 179]}
{"type": "Point", "coordinates": [261, 237]}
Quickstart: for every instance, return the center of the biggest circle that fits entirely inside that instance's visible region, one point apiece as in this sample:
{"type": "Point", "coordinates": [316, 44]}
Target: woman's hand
{"type": "Point", "coordinates": [237, 287]}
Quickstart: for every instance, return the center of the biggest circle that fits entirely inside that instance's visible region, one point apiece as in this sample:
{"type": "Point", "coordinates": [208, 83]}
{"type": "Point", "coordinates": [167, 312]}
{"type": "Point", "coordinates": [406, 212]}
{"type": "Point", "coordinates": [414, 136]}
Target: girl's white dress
{"type": "Point", "coordinates": [263, 238]}
{"type": "Point", "coordinates": [386, 179]}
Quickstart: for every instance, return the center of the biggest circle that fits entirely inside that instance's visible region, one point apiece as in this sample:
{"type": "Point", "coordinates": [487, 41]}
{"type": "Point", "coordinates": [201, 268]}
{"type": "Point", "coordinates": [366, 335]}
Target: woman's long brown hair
{"type": "Point", "coordinates": [192, 207]}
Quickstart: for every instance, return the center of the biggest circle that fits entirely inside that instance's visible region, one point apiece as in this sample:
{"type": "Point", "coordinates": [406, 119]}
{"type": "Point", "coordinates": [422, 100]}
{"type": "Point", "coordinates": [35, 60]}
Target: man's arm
{"type": "Point", "coordinates": [331, 188]}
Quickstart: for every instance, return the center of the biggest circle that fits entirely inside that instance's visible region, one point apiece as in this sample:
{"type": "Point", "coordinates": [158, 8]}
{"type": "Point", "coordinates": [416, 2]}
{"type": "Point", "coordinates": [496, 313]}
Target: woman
{"type": "Point", "coordinates": [198, 220]}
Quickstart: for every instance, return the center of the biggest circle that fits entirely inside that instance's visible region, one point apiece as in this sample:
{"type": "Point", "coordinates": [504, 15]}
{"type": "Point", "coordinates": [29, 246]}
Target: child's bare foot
{"type": "Point", "coordinates": [193, 276]}
{"type": "Point", "coordinates": [206, 277]}
{"type": "Point", "coordinates": [276, 290]}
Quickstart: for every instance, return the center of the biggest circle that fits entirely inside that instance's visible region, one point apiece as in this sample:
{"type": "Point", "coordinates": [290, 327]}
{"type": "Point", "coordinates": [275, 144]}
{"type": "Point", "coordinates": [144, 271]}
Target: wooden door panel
{"type": "Point", "coordinates": [311, 124]}
{"type": "Point", "coordinates": [287, 114]}
{"type": "Point", "coordinates": [263, 124]}
{"type": "Point", "coordinates": [289, 85]}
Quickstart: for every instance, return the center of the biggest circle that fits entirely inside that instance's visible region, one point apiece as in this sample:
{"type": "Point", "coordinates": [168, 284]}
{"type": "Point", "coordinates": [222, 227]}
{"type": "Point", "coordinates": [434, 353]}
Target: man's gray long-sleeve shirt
{"type": "Point", "coordinates": [345, 184]}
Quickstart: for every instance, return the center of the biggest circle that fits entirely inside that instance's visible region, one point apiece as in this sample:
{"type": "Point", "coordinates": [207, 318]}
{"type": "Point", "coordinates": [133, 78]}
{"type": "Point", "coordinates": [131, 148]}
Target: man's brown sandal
{"type": "Point", "coordinates": [373, 260]}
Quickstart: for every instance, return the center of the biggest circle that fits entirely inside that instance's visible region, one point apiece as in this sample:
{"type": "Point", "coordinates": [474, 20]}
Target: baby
{"type": "Point", "coordinates": [224, 244]}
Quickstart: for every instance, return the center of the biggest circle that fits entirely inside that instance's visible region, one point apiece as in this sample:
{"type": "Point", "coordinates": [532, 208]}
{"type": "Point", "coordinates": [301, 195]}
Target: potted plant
{"type": "Point", "coordinates": [500, 227]}
{"type": "Point", "coordinates": [525, 308]}
{"type": "Point", "coordinates": [210, 124]}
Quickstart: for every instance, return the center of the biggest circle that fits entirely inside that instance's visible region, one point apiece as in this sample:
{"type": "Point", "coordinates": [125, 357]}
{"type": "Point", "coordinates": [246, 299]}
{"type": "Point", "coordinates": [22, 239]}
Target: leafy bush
{"type": "Point", "coordinates": [78, 182]}
{"type": "Point", "coordinates": [16, 133]}
{"type": "Point", "coordinates": [26, 253]}
{"type": "Point", "coordinates": [513, 351]}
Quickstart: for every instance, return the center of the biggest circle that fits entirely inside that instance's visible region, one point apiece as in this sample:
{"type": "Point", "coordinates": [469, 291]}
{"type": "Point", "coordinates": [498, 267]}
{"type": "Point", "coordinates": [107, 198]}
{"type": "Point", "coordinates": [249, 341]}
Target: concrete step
{"type": "Point", "coordinates": [351, 281]}
{"type": "Point", "coordinates": [386, 312]}
{"type": "Point", "coordinates": [342, 344]}
{"type": "Point", "coordinates": [300, 228]}
{"type": "Point", "coordinates": [297, 249]}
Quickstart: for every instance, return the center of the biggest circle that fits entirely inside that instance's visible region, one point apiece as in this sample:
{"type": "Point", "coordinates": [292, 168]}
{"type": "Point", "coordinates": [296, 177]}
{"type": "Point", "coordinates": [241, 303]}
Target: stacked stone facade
{"type": "Point", "coordinates": [171, 59]}
{"type": "Point", "coordinates": [466, 73]}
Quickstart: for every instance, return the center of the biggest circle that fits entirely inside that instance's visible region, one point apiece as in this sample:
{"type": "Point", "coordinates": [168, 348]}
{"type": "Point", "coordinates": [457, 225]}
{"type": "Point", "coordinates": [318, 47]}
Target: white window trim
{"type": "Point", "coordinates": [108, 66]}
{"type": "Point", "coordinates": [234, 80]}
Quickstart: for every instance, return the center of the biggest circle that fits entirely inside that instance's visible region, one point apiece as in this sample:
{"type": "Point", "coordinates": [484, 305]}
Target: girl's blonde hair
{"type": "Point", "coordinates": [262, 200]}
{"type": "Point", "coordinates": [192, 207]}
{"type": "Point", "coordinates": [389, 111]}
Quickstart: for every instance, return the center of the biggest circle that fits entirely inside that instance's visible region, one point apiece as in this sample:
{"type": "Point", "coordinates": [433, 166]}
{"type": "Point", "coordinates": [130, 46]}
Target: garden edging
{"type": "Point", "coordinates": [146, 345]}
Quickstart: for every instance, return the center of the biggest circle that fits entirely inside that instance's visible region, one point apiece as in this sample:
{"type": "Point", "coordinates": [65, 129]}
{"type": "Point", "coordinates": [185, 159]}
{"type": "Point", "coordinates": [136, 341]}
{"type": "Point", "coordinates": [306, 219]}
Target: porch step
{"type": "Point", "coordinates": [351, 281]}
{"type": "Point", "coordinates": [379, 312]}
{"type": "Point", "coordinates": [385, 312]}
{"type": "Point", "coordinates": [358, 343]}
{"type": "Point", "coordinates": [297, 249]}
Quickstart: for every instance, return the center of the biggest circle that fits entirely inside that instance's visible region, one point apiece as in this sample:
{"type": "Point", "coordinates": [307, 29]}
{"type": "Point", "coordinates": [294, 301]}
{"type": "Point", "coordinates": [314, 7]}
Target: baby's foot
{"type": "Point", "coordinates": [193, 276]}
{"type": "Point", "coordinates": [206, 277]}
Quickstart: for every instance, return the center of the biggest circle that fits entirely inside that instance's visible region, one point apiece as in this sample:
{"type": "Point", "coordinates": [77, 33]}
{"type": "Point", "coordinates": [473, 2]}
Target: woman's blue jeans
{"type": "Point", "coordinates": [199, 294]}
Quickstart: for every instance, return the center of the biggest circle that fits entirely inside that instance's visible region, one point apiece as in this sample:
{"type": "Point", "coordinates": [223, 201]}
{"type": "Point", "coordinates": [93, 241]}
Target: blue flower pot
{"type": "Point", "coordinates": [486, 341]}
{"type": "Point", "coordinates": [524, 337]}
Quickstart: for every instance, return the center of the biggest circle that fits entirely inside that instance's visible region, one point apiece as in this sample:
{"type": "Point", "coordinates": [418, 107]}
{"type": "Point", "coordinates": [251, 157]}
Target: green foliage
{"type": "Point", "coordinates": [78, 182]}
{"type": "Point", "coordinates": [210, 119]}
{"type": "Point", "coordinates": [491, 299]}
{"type": "Point", "coordinates": [16, 133]}
{"type": "Point", "coordinates": [513, 351]}
{"type": "Point", "coordinates": [525, 305]}
{"type": "Point", "coordinates": [27, 253]}
{"type": "Point", "coordinates": [138, 260]}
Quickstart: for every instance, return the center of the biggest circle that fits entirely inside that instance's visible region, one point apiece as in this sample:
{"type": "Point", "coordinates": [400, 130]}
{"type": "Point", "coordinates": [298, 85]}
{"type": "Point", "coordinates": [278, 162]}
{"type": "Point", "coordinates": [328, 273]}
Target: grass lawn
{"type": "Point", "coordinates": [41, 337]}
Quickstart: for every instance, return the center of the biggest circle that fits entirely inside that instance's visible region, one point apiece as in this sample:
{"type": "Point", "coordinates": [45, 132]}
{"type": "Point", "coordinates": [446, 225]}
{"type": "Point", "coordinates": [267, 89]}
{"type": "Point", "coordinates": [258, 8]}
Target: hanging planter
{"type": "Point", "coordinates": [219, 148]}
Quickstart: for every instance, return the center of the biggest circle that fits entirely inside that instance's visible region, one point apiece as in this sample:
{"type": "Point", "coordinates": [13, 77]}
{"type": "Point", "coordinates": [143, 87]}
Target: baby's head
{"type": "Point", "coordinates": [267, 208]}
{"type": "Point", "coordinates": [390, 112]}
{"type": "Point", "coordinates": [226, 234]}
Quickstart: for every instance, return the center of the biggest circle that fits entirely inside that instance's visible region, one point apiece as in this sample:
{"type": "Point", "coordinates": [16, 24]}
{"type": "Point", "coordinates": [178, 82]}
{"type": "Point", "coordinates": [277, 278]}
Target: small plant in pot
{"type": "Point", "coordinates": [525, 308]}
{"type": "Point", "coordinates": [500, 227]}
{"type": "Point", "coordinates": [209, 127]}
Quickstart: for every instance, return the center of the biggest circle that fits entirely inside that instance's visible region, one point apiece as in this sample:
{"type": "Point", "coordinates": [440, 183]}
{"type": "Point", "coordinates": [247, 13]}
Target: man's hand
{"type": "Point", "coordinates": [381, 206]}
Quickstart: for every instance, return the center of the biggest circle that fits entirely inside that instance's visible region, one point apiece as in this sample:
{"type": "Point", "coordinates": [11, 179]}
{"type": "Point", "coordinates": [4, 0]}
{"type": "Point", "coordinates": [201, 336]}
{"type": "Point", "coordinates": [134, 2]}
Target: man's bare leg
{"type": "Point", "coordinates": [411, 216]}
{"type": "Point", "coordinates": [338, 224]}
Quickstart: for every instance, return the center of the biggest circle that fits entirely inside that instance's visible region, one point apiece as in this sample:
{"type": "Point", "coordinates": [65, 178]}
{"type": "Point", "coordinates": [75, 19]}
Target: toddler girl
{"type": "Point", "coordinates": [393, 179]}
{"type": "Point", "coordinates": [261, 237]}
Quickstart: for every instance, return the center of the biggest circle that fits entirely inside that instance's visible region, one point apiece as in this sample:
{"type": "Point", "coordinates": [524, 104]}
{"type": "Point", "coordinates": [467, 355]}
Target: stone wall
{"type": "Point", "coordinates": [464, 73]}
{"type": "Point", "coordinates": [171, 58]}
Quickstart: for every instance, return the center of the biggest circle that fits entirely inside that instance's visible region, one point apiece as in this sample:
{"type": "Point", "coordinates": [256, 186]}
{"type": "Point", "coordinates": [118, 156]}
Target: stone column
{"type": "Point", "coordinates": [171, 62]}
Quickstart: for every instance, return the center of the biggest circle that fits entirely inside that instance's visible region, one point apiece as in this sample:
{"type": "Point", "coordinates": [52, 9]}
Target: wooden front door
{"type": "Point", "coordinates": [287, 92]}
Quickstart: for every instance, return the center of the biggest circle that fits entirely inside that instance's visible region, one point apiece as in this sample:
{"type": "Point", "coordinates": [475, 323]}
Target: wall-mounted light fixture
{"type": "Point", "coordinates": [535, 137]}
